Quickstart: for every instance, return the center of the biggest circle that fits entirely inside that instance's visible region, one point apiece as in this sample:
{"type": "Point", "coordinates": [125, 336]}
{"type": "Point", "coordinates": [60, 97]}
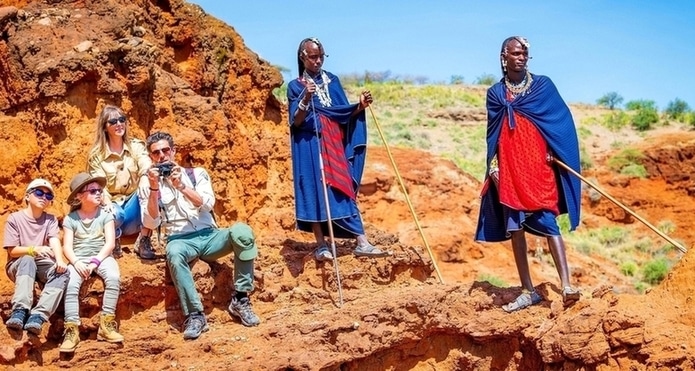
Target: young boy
{"type": "Point", "coordinates": [34, 253]}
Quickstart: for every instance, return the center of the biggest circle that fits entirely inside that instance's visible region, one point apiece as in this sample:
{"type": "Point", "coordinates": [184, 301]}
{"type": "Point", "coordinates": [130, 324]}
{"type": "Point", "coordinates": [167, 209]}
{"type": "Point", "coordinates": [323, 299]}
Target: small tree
{"type": "Point", "coordinates": [456, 80]}
{"type": "Point", "coordinates": [610, 100]}
{"type": "Point", "coordinates": [677, 110]}
{"type": "Point", "coordinates": [486, 79]}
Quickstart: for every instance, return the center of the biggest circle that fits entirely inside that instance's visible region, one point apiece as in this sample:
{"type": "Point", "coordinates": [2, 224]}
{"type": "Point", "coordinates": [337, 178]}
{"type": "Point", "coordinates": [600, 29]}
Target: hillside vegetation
{"type": "Point", "coordinates": [450, 121]}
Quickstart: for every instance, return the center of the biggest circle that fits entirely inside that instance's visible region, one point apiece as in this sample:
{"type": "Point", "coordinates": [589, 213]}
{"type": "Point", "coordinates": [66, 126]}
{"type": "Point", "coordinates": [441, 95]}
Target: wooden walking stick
{"type": "Point", "coordinates": [405, 193]}
{"type": "Point", "coordinates": [606, 195]}
{"type": "Point", "coordinates": [328, 207]}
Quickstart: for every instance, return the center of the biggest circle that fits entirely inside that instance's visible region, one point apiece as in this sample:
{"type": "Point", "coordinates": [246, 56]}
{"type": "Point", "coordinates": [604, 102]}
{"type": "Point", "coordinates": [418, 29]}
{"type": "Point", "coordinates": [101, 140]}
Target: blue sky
{"type": "Point", "coordinates": [639, 49]}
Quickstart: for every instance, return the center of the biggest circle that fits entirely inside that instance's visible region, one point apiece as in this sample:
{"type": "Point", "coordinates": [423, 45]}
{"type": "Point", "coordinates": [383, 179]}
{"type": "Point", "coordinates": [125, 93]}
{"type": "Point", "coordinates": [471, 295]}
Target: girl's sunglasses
{"type": "Point", "coordinates": [93, 191]}
{"type": "Point", "coordinates": [40, 193]}
{"type": "Point", "coordinates": [115, 121]}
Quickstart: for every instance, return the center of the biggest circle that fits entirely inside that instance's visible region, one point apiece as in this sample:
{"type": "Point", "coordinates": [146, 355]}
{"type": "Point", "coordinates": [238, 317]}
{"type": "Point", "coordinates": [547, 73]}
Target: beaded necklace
{"type": "Point", "coordinates": [322, 88]}
{"type": "Point", "coordinates": [520, 88]}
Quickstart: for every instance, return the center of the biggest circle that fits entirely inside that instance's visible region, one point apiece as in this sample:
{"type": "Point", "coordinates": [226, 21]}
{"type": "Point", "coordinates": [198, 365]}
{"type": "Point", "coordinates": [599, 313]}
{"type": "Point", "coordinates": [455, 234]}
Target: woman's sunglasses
{"type": "Point", "coordinates": [40, 193]}
{"type": "Point", "coordinates": [115, 121]}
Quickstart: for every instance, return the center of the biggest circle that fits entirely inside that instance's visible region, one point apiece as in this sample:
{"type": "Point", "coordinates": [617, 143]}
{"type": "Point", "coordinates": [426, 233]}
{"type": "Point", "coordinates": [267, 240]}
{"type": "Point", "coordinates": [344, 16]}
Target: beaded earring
{"type": "Point", "coordinates": [504, 65]}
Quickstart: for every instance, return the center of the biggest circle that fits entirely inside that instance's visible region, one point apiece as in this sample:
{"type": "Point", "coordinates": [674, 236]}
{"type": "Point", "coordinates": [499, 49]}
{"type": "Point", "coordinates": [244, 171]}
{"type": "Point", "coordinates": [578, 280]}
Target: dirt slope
{"type": "Point", "coordinates": [172, 67]}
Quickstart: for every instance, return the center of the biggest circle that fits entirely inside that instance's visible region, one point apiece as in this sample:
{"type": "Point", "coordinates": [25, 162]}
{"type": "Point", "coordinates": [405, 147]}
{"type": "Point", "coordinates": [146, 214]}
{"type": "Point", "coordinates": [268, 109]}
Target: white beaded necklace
{"type": "Point", "coordinates": [520, 88]}
{"type": "Point", "coordinates": [321, 89]}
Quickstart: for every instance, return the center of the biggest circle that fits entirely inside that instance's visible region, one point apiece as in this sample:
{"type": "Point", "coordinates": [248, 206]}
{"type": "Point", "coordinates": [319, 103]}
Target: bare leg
{"type": "Point", "coordinates": [557, 250]}
{"type": "Point", "coordinates": [529, 296]}
{"type": "Point", "coordinates": [318, 233]}
{"type": "Point", "coordinates": [521, 259]}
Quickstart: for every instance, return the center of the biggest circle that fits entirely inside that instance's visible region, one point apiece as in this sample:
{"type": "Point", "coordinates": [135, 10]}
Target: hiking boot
{"type": "Point", "coordinates": [144, 248]}
{"type": "Point", "coordinates": [71, 337]}
{"type": "Point", "coordinates": [195, 325]}
{"type": "Point", "coordinates": [370, 251]}
{"type": "Point", "coordinates": [117, 249]}
{"type": "Point", "coordinates": [323, 254]}
{"type": "Point", "coordinates": [242, 308]}
{"type": "Point", "coordinates": [34, 324]}
{"type": "Point", "coordinates": [108, 329]}
{"type": "Point", "coordinates": [16, 320]}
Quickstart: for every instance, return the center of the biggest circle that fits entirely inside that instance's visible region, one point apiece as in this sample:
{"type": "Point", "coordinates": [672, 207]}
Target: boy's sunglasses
{"type": "Point", "coordinates": [115, 121]}
{"type": "Point", "coordinates": [40, 193]}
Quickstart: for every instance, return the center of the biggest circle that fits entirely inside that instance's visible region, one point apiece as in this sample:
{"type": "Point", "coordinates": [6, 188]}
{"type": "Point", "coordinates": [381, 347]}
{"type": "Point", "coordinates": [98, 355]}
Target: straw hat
{"type": "Point", "coordinates": [80, 180]}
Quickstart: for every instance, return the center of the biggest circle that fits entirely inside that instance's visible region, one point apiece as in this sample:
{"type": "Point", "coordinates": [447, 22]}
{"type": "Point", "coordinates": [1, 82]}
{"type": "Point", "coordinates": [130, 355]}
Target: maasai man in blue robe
{"type": "Point", "coordinates": [529, 125]}
{"type": "Point", "coordinates": [318, 106]}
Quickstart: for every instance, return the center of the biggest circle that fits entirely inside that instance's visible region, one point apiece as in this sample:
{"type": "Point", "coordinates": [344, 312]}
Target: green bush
{"type": "Point", "coordinates": [616, 120]}
{"type": "Point", "coordinates": [666, 226]}
{"type": "Point", "coordinates": [655, 271]}
{"type": "Point", "coordinates": [634, 170]}
{"type": "Point", "coordinates": [644, 244]}
{"type": "Point", "coordinates": [644, 119]}
{"type": "Point", "coordinates": [628, 268]}
{"type": "Point", "coordinates": [626, 157]}
{"type": "Point", "coordinates": [610, 236]}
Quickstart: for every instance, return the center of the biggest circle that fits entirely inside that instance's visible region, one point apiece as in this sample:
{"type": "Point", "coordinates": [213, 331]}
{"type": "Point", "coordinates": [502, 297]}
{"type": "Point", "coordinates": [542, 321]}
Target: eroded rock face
{"type": "Point", "coordinates": [171, 67]}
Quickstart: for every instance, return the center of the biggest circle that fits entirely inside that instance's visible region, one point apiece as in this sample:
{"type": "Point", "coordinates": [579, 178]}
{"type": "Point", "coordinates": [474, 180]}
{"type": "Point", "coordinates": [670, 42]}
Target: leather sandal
{"type": "Point", "coordinates": [525, 300]}
{"type": "Point", "coordinates": [570, 295]}
{"type": "Point", "coordinates": [322, 254]}
{"type": "Point", "coordinates": [370, 251]}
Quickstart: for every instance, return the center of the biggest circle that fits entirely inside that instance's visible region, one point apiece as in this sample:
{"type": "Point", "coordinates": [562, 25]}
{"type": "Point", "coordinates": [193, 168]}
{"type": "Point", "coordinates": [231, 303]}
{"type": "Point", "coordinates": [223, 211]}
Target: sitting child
{"type": "Point", "coordinates": [89, 240]}
{"type": "Point", "coordinates": [34, 254]}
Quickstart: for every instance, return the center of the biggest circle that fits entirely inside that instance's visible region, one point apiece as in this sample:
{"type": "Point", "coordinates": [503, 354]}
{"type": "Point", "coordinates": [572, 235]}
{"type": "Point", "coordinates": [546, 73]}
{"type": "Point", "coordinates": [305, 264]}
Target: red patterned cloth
{"type": "Point", "coordinates": [335, 163]}
{"type": "Point", "coordinates": [527, 181]}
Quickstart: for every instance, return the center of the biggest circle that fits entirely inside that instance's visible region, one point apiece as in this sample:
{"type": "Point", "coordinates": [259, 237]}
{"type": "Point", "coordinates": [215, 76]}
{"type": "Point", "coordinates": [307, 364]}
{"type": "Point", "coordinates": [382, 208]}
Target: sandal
{"type": "Point", "coordinates": [570, 295]}
{"type": "Point", "coordinates": [525, 300]}
{"type": "Point", "coordinates": [370, 251]}
{"type": "Point", "coordinates": [322, 254]}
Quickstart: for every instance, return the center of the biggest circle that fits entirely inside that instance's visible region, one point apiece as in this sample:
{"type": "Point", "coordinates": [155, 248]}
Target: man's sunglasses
{"type": "Point", "coordinates": [40, 193]}
{"type": "Point", "coordinates": [164, 150]}
{"type": "Point", "coordinates": [93, 191]}
{"type": "Point", "coordinates": [115, 121]}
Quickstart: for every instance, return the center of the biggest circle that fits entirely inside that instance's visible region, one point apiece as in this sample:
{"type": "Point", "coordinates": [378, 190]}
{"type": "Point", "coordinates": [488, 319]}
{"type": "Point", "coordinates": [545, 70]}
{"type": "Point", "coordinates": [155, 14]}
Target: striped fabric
{"type": "Point", "coordinates": [335, 165]}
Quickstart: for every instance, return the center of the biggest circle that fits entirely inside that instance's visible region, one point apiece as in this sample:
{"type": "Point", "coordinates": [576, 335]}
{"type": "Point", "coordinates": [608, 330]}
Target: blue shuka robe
{"type": "Point", "coordinates": [310, 206]}
{"type": "Point", "coordinates": [544, 107]}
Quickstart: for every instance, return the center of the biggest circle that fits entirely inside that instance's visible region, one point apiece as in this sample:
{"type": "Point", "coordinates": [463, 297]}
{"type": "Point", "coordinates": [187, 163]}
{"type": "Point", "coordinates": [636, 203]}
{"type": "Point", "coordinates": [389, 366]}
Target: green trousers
{"type": "Point", "coordinates": [209, 245]}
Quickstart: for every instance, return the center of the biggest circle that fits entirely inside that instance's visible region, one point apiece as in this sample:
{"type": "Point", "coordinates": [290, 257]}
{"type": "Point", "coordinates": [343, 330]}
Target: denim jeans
{"type": "Point", "coordinates": [127, 216]}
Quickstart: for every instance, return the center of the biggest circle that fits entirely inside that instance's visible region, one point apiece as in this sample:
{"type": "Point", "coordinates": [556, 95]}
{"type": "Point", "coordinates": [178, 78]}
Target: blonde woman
{"type": "Point", "coordinates": [121, 160]}
{"type": "Point", "coordinates": [89, 239]}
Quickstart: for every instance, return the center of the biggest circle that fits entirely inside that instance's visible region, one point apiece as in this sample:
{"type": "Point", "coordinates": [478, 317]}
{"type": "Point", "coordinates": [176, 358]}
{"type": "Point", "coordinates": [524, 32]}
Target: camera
{"type": "Point", "coordinates": [165, 168]}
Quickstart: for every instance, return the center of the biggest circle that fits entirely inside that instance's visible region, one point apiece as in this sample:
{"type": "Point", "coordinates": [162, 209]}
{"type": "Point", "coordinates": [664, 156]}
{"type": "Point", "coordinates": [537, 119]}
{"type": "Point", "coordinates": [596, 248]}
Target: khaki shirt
{"type": "Point", "coordinates": [177, 215]}
{"type": "Point", "coordinates": [122, 170]}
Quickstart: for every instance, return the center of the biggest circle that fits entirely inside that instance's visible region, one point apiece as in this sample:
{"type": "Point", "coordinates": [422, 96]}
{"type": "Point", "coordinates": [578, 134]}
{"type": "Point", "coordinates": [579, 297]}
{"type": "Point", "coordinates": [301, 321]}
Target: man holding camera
{"type": "Point", "coordinates": [181, 202]}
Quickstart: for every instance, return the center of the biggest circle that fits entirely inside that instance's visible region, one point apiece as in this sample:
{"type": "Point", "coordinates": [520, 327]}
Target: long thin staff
{"type": "Point", "coordinates": [407, 198]}
{"type": "Point", "coordinates": [606, 195]}
{"type": "Point", "coordinates": [328, 206]}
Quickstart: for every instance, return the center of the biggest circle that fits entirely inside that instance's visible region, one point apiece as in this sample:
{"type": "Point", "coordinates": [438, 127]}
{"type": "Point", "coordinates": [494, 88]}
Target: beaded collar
{"type": "Point", "coordinates": [322, 88]}
{"type": "Point", "coordinates": [520, 88]}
